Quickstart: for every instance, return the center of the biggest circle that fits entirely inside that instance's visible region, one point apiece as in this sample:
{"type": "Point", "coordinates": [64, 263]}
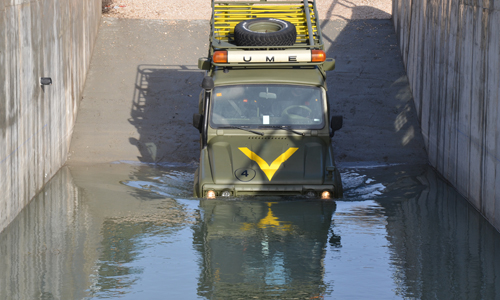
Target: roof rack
{"type": "Point", "coordinates": [227, 14]}
{"type": "Point", "coordinates": [307, 51]}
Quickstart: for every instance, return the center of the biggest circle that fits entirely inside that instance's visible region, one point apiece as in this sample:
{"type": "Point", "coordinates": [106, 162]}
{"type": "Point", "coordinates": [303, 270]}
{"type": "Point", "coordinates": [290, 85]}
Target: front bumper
{"type": "Point", "coordinates": [269, 189]}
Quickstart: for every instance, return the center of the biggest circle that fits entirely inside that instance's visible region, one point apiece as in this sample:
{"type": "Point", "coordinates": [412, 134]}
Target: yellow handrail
{"type": "Point", "coordinates": [227, 16]}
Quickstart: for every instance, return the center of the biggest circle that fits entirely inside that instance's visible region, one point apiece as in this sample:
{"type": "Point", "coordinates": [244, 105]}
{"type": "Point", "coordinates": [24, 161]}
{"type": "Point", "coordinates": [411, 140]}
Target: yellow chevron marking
{"type": "Point", "coordinates": [269, 222]}
{"type": "Point", "coordinates": [269, 170]}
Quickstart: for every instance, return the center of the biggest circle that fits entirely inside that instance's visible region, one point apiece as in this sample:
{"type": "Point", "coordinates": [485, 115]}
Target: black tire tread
{"type": "Point", "coordinates": [284, 37]}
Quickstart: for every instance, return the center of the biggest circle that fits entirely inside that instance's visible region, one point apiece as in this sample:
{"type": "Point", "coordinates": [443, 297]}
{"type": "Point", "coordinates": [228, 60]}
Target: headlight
{"type": "Point", "coordinates": [210, 194]}
{"type": "Point", "coordinates": [310, 194]}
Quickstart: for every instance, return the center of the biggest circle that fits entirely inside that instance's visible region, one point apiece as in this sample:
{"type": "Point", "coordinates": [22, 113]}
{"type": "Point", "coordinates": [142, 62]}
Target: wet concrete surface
{"type": "Point", "coordinates": [119, 220]}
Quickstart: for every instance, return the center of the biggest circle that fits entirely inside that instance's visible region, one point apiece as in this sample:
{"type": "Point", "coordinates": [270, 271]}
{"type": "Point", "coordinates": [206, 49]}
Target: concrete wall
{"type": "Point", "coordinates": [451, 49]}
{"type": "Point", "coordinates": [39, 38]}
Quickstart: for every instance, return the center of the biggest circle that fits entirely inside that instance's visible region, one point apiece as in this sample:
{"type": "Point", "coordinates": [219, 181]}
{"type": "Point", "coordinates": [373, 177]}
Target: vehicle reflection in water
{"type": "Point", "coordinates": [262, 249]}
{"type": "Point", "coordinates": [132, 231]}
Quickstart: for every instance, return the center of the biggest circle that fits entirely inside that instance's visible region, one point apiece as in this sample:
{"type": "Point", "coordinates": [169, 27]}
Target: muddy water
{"type": "Point", "coordinates": [132, 231]}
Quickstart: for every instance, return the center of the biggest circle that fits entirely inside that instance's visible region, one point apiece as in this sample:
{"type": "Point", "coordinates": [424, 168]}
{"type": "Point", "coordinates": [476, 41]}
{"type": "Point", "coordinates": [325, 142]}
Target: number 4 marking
{"type": "Point", "coordinates": [245, 173]}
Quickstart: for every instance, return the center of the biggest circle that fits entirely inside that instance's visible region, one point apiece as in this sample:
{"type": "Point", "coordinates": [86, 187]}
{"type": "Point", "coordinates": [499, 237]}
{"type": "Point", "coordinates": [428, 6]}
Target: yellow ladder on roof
{"type": "Point", "coordinates": [227, 15]}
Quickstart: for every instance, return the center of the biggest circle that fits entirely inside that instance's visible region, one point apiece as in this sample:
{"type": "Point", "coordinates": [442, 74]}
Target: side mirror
{"type": "Point", "coordinates": [204, 63]}
{"type": "Point", "coordinates": [329, 64]}
{"type": "Point", "coordinates": [198, 121]}
{"type": "Point", "coordinates": [336, 124]}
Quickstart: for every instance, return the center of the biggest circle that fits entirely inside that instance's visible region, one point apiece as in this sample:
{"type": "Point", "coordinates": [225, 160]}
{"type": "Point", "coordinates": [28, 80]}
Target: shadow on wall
{"type": "Point", "coordinates": [369, 87]}
{"type": "Point", "coordinates": [165, 98]}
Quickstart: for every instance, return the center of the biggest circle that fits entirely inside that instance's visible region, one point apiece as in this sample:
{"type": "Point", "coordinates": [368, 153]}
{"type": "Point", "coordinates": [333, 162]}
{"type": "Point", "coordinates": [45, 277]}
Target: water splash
{"type": "Point", "coordinates": [170, 184]}
{"type": "Point", "coordinates": [360, 187]}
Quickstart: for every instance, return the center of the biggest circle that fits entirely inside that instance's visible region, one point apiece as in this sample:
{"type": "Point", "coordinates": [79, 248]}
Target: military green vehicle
{"type": "Point", "coordinates": [264, 115]}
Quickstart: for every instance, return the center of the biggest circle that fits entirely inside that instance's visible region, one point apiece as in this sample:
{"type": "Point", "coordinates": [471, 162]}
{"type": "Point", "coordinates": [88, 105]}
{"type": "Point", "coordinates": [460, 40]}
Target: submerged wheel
{"type": "Point", "coordinates": [265, 32]}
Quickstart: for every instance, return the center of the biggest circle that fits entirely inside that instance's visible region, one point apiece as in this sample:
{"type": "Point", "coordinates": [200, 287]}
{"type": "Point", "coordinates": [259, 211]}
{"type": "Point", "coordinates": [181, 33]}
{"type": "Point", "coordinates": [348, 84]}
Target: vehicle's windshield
{"type": "Point", "coordinates": [261, 106]}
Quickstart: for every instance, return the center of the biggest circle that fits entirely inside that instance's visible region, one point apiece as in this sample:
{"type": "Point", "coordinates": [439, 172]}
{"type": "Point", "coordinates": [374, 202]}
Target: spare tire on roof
{"type": "Point", "coordinates": [265, 32]}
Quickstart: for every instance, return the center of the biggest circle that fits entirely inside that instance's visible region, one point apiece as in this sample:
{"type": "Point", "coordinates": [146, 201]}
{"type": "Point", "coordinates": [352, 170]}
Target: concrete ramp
{"type": "Point", "coordinates": [143, 87]}
{"type": "Point", "coordinates": [141, 92]}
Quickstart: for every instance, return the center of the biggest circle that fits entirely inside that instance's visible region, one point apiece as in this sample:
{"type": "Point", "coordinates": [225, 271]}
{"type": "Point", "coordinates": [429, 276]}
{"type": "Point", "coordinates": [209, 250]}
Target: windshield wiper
{"type": "Point", "coordinates": [287, 128]}
{"type": "Point", "coordinates": [242, 128]}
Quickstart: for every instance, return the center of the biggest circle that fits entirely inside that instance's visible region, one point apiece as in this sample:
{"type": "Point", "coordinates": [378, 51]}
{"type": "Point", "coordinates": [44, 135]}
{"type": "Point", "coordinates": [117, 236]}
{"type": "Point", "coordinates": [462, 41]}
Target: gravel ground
{"type": "Point", "coordinates": [201, 10]}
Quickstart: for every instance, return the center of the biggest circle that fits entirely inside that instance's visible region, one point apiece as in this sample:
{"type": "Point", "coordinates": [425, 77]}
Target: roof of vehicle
{"type": "Point", "coordinates": [301, 76]}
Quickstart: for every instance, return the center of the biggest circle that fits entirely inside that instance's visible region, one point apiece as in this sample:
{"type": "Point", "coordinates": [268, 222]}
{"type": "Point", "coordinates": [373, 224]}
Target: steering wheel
{"type": "Point", "coordinates": [301, 111]}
